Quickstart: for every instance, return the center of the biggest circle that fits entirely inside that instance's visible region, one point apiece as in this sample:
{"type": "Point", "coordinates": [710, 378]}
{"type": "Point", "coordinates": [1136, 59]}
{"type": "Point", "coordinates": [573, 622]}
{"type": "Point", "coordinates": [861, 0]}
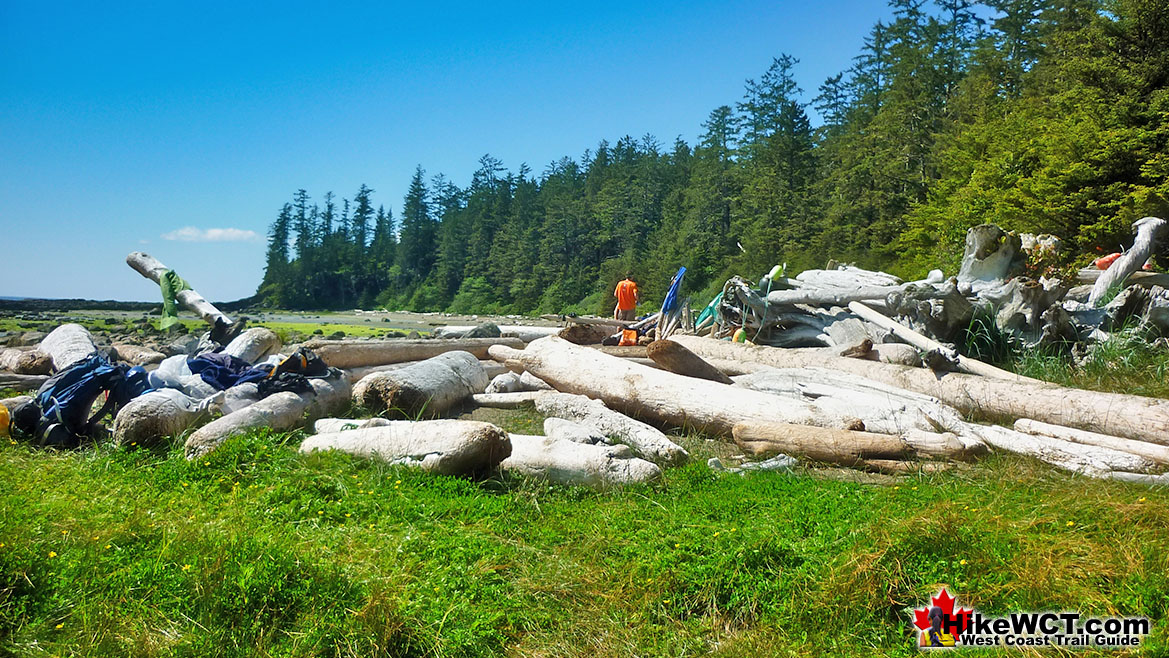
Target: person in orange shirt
{"type": "Point", "coordinates": [627, 299]}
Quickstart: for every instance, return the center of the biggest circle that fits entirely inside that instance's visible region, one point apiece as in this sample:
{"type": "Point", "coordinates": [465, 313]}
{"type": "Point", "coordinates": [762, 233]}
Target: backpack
{"type": "Point", "coordinates": [60, 413]}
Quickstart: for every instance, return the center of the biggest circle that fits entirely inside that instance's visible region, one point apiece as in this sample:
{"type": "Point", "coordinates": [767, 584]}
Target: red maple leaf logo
{"type": "Point", "coordinates": [946, 602]}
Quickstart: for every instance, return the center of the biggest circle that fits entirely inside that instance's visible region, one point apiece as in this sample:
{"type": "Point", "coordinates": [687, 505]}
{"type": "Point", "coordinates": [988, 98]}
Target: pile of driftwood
{"type": "Point", "coordinates": [844, 306]}
{"type": "Point", "coordinates": [858, 393]}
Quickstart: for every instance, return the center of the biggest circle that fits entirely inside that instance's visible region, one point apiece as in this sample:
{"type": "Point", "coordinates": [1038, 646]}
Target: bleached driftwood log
{"type": "Point", "coordinates": [508, 382]}
{"type": "Point", "coordinates": [844, 276]}
{"type": "Point", "coordinates": [898, 353]}
{"type": "Point", "coordinates": [1138, 278]}
{"type": "Point", "coordinates": [355, 375]}
{"type": "Point", "coordinates": [136, 355]}
{"type": "Point", "coordinates": [26, 362]}
{"type": "Point", "coordinates": [883, 409]}
{"type": "Point", "coordinates": [445, 447]}
{"type": "Point", "coordinates": [517, 400]}
{"type": "Point", "coordinates": [965, 363]}
{"type": "Point", "coordinates": [991, 257]}
{"type": "Point", "coordinates": [150, 268]}
{"type": "Point", "coordinates": [679, 360]}
{"type": "Point", "coordinates": [280, 411]}
{"type": "Point", "coordinates": [329, 425]}
{"type": "Point", "coordinates": [427, 388]}
{"type": "Point", "coordinates": [253, 345]}
{"type": "Point", "coordinates": [362, 353]}
{"type": "Point", "coordinates": [67, 344]}
{"type": "Point", "coordinates": [522, 332]}
{"type": "Point", "coordinates": [1157, 453]}
{"type": "Point", "coordinates": [161, 413]}
{"type": "Point", "coordinates": [846, 447]}
{"type": "Point", "coordinates": [22, 382]}
{"type": "Point", "coordinates": [1149, 230]}
{"type": "Point", "coordinates": [561, 428]}
{"type": "Point", "coordinates": [1128, 416]}
{"type": "Point", "coordinates": [577, 464]}
{"type": "Point", "coordinates": [1090, 460]}
{"type": "Point", "coordinates": [646, 441]}
{"type": "Point", "coordinates": [662, 396]}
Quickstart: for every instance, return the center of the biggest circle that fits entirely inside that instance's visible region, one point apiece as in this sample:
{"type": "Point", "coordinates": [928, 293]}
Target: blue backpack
{"type": "Point", "coordinates": [65, 401]}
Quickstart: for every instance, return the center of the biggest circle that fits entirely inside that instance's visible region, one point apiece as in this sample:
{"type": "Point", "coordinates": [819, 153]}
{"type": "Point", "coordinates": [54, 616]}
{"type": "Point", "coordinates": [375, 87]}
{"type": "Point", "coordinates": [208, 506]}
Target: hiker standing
{"type": "Point", "coordinates": [627, 299]}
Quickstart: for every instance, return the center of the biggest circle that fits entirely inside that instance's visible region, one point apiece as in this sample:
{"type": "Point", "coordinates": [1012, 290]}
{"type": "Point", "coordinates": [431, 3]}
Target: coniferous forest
{"type": "Point", "coordinates": [1038, 115]}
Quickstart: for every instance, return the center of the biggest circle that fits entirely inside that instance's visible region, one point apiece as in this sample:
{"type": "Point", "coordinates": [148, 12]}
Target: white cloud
{"type": "Point", "coordinates": [192, 234]}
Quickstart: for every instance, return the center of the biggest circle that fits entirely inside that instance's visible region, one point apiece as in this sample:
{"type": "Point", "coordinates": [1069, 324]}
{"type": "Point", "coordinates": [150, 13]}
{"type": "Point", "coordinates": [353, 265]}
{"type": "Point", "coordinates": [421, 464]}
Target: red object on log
{"type": "Point", "coordinates": [1104, 262]}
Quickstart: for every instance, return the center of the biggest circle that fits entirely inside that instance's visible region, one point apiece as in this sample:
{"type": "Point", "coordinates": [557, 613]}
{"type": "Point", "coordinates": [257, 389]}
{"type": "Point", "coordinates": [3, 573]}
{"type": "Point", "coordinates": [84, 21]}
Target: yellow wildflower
{"type": "Point", "coordinates": [52, 553]}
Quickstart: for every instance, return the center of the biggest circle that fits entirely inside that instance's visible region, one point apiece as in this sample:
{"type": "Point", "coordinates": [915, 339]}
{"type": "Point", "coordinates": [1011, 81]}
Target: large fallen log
{"type": "Point", "coordinates": [965, 363]}
{"type": "Point", "coordinates": [1128, 416]}
{"type": "Point", "coordinates": [1138, 278]}
{"type": "Point", "coordinates": [846, 447]}
{"type": "Point", "coordinates": [445, 447]}
{"type": "Point", "coordinates": [150, 268]}
{"type": "Point", "coordinates": [577, 464]}
{"type": "Point", "coordinates": [362, 353]}
{"type": "Point", "coordinates": [427, 388]}
{"type": "Point", "coordinates": [1090, 460]}
{"type": "Point", "coordinates": [679, 360]}
{"type": "Point", "coordinates": [646, 441]}
{"type": "Point", "coordinates": [1157, 453]}
{"type": "Point", "coordinates": [561, 428]}
{"type": "Point", "coordinates": [161, 413]}
{"type": "Point", "coordinates": [253, 345]}
{"type": "Point", "coordinates": [26, 362]}
{"type": "Point", "coordinates": [657, 395]}
{"type": "Point", "coordinates": [1149, 230]}
{"type": "Point", "coordinates": [67, 344]}
{"type": "Point", "coordinates": [280, 411]}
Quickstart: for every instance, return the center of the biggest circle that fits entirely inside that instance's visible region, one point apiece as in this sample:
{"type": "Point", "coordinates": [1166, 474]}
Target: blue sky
{"type": "Point", "coordinates": [127, 126]}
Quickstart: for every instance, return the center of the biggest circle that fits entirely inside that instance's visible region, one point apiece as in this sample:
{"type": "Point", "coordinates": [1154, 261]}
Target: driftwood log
{"type": "Point", "coordinates": [14, 402]}
{"type": "Point", "coordinates": [161, 413]}
{"type": "Point", "coordinates": [847, 447]}
{"type": "Point", "coordinates": [444, 447]}
{"type": "Point", "coordinates": [647, 442]}
{"type": "Point", "coordinates": [1157, 453]}
{"type": "Point", "coordinates": [577, 464]}
{"type": "Point", "coordinates": [363, 353]}
{"type": "Point", "coordinates": [1128, 416]}
{"type": "Point", "coordinates": [67, 344]}
{"type": "Point", "coordinates": [664, 397]}
{"type": "Point", "coordinates": [516, 400]}
{"type": "Point", "coordinates": [920, 341]}
{"type": "Point", "coordinates": [26, 362]}
{"type": "Point", "coordinates": [280, 411]}
{"type": "Point", "coordinates": [329, 425]}
{"type": "Point", "coordinates": [1090, 460]}
{"type": "Point", "coordinates": [991, 257]}
{"type": "Point", "coordinates": [136, 355]}
{"type": "Point", "coordinates": [561, 428]}
{"type": "Point", "coordinates": [355, 375]}
{"type": "Point", "coordinates": [587, 334]}
{"type": "Point", "coordinates": [150, 268]}
{"type": "Point", "coordinates": [253, 345]}
{"type": "Point", "coordinates": [679, 360]}
{"type": "Point", "coordinates": [1149, 230]}
{"type": "Point", "coordinates": [22, 382]}
{"type": "Point", "coordinates": [427, 388]}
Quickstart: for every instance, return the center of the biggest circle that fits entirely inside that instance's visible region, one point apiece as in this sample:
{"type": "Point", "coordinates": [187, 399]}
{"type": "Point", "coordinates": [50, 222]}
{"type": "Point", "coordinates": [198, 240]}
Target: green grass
{"type": "Point", "coordinates": [257, 550]}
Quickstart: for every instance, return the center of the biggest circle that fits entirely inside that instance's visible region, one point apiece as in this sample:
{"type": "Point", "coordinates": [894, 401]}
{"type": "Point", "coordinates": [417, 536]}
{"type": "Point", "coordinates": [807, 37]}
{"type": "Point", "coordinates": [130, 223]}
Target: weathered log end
{"type": "Point", "coordinates": [677, 359]}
